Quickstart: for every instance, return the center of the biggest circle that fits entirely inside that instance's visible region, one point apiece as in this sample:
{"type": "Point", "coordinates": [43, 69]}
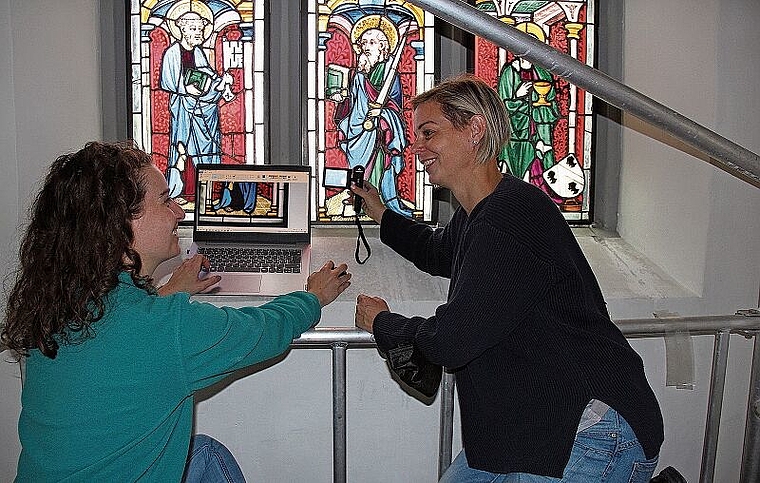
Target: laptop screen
{"type": "Point", "coordinates": [252, 203]}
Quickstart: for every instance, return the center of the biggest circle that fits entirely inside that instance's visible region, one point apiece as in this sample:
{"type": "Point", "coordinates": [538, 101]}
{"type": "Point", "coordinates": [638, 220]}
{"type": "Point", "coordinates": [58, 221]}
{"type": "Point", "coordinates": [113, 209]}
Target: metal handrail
{"type": "Point", "coordinates": [339, 339]}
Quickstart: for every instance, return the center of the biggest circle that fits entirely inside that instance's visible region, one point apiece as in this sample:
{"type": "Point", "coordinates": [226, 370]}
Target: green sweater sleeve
{"type": "Point", "coordinates": [214, 341]}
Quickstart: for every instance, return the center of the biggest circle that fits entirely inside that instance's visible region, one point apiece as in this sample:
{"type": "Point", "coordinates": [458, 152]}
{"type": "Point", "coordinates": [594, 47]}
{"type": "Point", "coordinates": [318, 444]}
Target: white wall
{"type": "Point", "coordinates": [49, 104]}
{"type": "Point", "coordinates": [9, 381]}
{"type": "Point", "coordinates": [697, 223]}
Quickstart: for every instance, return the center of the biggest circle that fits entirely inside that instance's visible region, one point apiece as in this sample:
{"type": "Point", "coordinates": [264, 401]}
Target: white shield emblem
{"type": "Point", "coordinates": [566, 177]}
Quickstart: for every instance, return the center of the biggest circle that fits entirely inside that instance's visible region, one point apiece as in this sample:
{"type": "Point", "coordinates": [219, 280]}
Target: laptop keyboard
{"type": "Point", "coordinates": [247, 259]}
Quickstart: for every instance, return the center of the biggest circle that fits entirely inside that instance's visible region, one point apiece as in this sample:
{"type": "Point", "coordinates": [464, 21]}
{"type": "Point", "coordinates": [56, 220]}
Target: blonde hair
{"type": "Point", "coordinates": [465, 96]}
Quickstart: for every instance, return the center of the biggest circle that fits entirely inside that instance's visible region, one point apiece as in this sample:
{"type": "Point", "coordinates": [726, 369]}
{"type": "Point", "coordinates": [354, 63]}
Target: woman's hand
{"type": "Point", "coordinates": [367, 308]}
{"type": "Point", "coordinates": [373, 206]}
{"type": "Point", "coordinates": [185, 278]}
{"type": "Point", "coordinates": [329, 282]}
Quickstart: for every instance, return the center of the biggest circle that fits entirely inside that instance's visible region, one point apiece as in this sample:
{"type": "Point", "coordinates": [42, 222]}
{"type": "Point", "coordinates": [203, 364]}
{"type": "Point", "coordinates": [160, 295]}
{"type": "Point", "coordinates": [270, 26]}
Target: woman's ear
{"type": "Point", "coordinates": [477, 128]}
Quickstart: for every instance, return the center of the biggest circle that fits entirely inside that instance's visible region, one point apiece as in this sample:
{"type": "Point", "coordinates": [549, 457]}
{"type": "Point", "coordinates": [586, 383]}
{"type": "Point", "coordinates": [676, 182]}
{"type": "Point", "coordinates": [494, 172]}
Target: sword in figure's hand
{"type": "Point", "coordinates": [385, 89]}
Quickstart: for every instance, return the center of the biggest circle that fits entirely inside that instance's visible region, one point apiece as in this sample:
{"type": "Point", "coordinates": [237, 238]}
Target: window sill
{"type": "Point", "coordinates": [633, 286]}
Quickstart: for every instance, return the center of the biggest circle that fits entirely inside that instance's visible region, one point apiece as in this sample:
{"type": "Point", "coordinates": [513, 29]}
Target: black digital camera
{"type": "Point", "coordinates": [357, 177]}
{"type": "Point", "coordinates": [341, 178]}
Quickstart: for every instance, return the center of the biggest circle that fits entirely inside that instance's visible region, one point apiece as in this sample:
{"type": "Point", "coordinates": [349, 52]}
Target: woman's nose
{"type": "Point", "coordinates": [178, 211]}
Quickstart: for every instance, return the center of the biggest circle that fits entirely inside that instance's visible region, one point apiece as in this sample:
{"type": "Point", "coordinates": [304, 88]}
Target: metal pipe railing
{"type": "Point", "coordinates": [715, 406]}
{"type": "Point", "coordinates": [339, 411]}
{"type": "Point", "coordinates": [339, 339]}
{"type": "Point", "coordinates": [750, 457]}
{"type": "Point", "coordinates": [727, 155]}
{"type": "Point", "coordinates": [446, 430]}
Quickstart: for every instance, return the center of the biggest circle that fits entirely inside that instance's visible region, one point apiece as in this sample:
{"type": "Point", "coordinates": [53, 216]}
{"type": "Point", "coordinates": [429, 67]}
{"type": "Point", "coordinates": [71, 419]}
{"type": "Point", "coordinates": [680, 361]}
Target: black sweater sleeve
{"type": "Point", "coordinates": [428, 249]}
{"type": "Point", "coordinates": [497, 280]}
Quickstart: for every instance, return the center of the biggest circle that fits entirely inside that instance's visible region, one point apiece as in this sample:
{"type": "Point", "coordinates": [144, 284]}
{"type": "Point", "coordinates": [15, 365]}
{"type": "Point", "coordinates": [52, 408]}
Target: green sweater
{"type": "Point", "coordinates": [119, 406]}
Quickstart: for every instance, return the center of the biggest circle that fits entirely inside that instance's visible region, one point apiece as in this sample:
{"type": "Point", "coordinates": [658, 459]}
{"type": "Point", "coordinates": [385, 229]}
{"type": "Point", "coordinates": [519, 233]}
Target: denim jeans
{"type": "Point", "coordinates": [607, 451]}
{"type": "Point", "coordinates": [209, 461]}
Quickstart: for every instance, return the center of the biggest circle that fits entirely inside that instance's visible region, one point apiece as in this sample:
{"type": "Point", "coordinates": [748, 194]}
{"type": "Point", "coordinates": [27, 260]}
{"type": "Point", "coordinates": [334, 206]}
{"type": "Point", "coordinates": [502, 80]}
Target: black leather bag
{"type": "Point", "coordinates": [668, 475]}
{"type": "Point", "coordinates": [411, 367]}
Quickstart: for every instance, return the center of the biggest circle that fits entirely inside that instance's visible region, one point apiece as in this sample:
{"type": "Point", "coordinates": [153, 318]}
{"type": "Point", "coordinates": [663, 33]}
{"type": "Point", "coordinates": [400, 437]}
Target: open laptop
{"type": "Point", "coordinates": [262, 209]}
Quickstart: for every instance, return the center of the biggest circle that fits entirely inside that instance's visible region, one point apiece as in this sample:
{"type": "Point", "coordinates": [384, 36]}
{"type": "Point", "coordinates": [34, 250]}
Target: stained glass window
{"type": "Point", "coordinates": [550, 118]}
{"type": "Point", "coordinates": [198, 94]}
{"type": "Point", "coordinates": [197, 85]}
{"type": "Point", "coordinates": [365, 60]}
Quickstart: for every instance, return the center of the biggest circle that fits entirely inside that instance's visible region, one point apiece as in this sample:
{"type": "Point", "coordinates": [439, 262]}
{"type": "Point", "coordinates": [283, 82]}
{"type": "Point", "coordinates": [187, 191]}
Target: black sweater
{"type": "Point", "coordinates": [525, 330]}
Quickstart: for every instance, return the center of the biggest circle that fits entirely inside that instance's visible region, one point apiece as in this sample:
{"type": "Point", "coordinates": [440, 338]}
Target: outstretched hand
{"type": "Point", "coordinates": [186, 277]}
{"type": "Point", "coordinates": [367, 308]}
{"type": "Point", "coordinates": [328, 282]}
{"type": "Point", "coordinates": [373, 205]}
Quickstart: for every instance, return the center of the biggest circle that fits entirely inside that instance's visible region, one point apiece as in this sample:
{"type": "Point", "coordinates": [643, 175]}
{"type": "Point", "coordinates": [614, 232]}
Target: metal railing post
{"type": "Point", "coordinates": [339, 411]}
{"type": "Point", "coordinates": [446, 429]}
{"type": "Point", "coordinates": [714, 405]}
{"type": "Point", "coordinates": [751, 455]}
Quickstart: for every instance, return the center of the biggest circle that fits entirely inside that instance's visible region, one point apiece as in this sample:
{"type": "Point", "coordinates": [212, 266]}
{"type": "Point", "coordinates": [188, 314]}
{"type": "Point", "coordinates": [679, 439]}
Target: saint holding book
{"type": "Point", "coordinates": [195, 90]}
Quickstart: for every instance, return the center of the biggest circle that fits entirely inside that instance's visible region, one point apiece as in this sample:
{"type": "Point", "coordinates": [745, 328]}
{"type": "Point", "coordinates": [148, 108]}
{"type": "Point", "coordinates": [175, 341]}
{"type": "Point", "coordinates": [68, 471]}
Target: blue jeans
{"type": "Point", "coordinates": [607, 451]}
{"type": "Point", "coordinates": [209, 461]}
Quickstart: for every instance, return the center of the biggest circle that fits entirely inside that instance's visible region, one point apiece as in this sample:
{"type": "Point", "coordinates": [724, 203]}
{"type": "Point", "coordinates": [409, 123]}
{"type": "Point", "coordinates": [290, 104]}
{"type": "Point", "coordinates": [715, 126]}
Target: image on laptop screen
{"type": "Point", "coordinates": [252, 203]}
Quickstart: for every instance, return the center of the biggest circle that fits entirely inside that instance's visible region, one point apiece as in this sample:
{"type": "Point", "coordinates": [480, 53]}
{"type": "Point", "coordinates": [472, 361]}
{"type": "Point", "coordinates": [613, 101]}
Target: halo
{"type": "Point", "coordinates": [532, 29]}
{"type": "Point", "coordinates": [375, 22]}
{"type": "Point", "coordinates": [182, 7]}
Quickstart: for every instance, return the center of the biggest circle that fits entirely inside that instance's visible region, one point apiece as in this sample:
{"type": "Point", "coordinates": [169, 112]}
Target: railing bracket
{"type": "Point", "coordinates": [749, 312]}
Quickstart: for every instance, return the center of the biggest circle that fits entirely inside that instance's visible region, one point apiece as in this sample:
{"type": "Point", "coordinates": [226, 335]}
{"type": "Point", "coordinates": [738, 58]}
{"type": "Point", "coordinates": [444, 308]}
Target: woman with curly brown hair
{"type": "Point", "coordinates": [112, 362]}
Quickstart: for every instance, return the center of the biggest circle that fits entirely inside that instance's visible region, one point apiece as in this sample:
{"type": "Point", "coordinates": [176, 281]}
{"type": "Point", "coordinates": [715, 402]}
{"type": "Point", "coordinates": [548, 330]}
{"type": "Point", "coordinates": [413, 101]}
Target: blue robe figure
{"type": "Point", "coordinates": [195, 90]}
{"type": "Point", "coordinates": [237, 196]}
{"type": "Point", "coordinates": [372, 128]}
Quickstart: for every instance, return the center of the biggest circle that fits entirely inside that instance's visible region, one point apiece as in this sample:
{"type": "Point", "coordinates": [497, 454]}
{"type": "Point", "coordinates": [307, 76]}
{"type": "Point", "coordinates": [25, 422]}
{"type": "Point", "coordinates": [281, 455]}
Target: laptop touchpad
{"type": "Point", "coordinates": [238, 283]}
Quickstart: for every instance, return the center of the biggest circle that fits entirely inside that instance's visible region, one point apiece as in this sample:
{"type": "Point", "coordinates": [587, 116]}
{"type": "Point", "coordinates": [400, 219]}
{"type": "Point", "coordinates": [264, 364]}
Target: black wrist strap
{"type": "Point", "coordinates": [360, 237]}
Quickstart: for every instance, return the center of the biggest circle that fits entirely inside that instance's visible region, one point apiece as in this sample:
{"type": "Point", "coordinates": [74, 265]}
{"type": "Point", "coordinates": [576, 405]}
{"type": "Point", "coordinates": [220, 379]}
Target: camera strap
{"type": "Point", "coordinates": [361, 238]}
{"type": "Point", "coordinates": [357, 177]}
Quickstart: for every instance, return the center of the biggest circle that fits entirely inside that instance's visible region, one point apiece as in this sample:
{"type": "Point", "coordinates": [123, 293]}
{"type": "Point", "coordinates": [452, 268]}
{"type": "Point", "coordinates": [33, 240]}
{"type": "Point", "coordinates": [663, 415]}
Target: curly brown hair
{"type": "Point", "coordinates": [78, 240]}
